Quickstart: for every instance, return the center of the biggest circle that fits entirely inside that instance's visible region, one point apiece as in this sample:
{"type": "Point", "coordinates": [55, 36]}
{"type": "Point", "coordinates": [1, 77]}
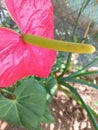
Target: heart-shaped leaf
{"type": "Point", "coordinates": [47, 117]}
{"type": "Point", "coordinates": [27, 108]}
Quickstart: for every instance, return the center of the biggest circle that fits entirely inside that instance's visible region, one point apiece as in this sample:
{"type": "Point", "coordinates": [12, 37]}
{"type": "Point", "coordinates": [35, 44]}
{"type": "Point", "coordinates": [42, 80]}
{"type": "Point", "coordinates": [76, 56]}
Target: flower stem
{"type": "Point", "coordinates": [68, 62]}
{"type": "Point", "coordinates": [67, 65]}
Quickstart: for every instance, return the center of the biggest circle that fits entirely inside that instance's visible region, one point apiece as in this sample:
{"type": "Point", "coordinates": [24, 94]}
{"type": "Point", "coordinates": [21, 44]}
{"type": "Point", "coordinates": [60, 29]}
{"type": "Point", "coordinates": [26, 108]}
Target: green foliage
{"type": "Point", "coordinates": [26, 106]}
{"type": "Point", "coordinates": [50, 84]}
{"type": "Point", "coordinates": [80, 100]}
{"type": "Point", "coordinates": [47, 117]}
{"type": "Point", "coordinates": [26, 102]}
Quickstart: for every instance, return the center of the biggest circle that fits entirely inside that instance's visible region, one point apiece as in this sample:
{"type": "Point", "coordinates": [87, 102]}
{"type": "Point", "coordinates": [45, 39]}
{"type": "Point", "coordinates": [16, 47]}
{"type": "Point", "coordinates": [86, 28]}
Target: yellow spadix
{"type": "Point", "coordinates": [58, 45]}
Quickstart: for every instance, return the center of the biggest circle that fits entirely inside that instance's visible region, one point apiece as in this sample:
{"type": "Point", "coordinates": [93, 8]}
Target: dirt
{"type": "Point", "coordinates": [68, 115]}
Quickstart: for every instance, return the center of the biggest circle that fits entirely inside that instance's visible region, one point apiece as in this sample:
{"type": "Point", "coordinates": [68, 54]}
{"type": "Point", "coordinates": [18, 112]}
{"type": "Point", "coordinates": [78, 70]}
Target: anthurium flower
{"type": "Point", "coordinates": [18, 59]}
{"type": "Point", "coordinates": [28, 53]}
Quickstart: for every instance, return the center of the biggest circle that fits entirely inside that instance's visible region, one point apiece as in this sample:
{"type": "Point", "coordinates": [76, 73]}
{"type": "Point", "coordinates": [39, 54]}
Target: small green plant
{"type": "Point", "coordinates": [25, 63]}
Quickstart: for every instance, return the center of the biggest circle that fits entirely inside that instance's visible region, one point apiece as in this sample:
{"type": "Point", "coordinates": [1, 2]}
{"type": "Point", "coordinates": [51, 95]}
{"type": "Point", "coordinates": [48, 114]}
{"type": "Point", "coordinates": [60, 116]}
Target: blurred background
{"type": "Point", "coordinates": [77, 20]}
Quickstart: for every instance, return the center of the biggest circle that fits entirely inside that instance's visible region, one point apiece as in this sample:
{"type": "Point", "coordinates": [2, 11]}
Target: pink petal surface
{"type": "Point", "coordinates": [32, 16]}
{"type": "Point", "coordinates": [18, 59]}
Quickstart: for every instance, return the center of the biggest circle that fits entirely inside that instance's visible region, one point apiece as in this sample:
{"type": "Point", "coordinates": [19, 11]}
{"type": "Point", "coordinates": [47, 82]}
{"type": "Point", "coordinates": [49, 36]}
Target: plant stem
{"type": "Point", "coordinates": [90, 21]}
{"type": "Point", "coordinates": [79, 14]}
{"type": "Point", "coordinates": [67, 65]}
{"type": "Point", "coordinates": [6, 91]}
{"type": "Point", "coordinates": [86, 107]}
{"type": "Point", "coordinates": [68, 62]}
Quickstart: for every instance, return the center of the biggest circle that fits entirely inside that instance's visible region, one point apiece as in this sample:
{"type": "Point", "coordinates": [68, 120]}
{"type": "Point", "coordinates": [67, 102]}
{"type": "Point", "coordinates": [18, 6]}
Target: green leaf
{"type": "Point", "coordinates": [84, 68]}
{"type": "Point", "coordinates": [87, 108]}
{"type": "Point", "coordinates": [70, 94]}
{"type": "Point", "coordinates": [27, 108]}
{"type": "Point", "coordinates": [81, 81]}
{"type": "Point", "coordinates": [73, 96]}
{"type": "Point", "coordinates": [50, 85]}
{"type": "Point", "coordinates": [47, 117]}
{"type": "Point", "coordinates": [94, 112]}
{"type": "Point", "coordinates": [86, 73]}
{"type": "Point", "coordinates": [38, 128]}
{"type": "Point", "coordinates": [97, 103]}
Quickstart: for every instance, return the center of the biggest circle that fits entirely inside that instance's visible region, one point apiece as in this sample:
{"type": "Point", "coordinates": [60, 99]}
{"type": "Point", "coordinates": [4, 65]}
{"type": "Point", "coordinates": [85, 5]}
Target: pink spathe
{"type": "Point", "coordinates": [17, 58]}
